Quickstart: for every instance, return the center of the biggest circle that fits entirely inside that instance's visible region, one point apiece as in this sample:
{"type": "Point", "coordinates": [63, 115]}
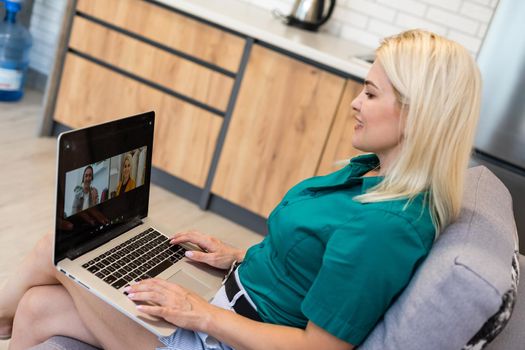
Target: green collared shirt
{"type": "Point", "coordinates": [332, 260]}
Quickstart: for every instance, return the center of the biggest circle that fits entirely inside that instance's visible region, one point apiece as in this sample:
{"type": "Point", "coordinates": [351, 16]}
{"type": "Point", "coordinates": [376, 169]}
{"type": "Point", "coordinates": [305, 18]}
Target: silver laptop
{"type": "Point", "coordinates": [104, 240]}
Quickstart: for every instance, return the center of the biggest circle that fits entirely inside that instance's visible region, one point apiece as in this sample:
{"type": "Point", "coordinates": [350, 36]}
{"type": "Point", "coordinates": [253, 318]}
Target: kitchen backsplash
{"type": "Point", "coordinates": [367, 21]}
{"type": "Point", "coordinates": [363, 21]}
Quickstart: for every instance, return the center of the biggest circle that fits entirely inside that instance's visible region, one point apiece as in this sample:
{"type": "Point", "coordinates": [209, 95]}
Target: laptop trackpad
{"type": "Point", "coordinates": [187, 281]}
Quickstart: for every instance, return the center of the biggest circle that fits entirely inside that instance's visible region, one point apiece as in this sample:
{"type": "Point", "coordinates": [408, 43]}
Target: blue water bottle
{"type": "Point", "coordinates": [15, 42]}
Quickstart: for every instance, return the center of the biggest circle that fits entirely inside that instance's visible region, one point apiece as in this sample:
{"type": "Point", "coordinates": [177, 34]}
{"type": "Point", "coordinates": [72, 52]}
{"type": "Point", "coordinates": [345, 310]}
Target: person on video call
{"type": "Point", "coordinates": [126, 183]}
{"type": "Point", "coordinates": [340, 248]}
{"type": "Point", "coordinates": [86, 196]}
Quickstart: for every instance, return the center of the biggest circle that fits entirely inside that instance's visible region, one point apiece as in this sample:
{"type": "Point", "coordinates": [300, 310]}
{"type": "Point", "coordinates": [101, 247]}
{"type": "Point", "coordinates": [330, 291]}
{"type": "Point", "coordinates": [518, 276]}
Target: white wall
{"type": "Point", "coordinates": [45, 24]}
{"type": "Point", "coordinates": [367, 21]}
{"type": "Point", "coordinates": [363, 21]}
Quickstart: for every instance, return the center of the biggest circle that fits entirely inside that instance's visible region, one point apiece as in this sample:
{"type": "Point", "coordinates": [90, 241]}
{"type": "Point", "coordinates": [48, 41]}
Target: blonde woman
{"type": "Point", "coordinates": [126, 183]}
{"type": "Point", "coordinates": [340, 247]}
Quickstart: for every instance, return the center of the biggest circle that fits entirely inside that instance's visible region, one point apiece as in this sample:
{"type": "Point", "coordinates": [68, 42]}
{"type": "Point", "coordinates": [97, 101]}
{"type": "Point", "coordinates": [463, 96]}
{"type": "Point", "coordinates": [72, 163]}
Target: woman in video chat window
{"type": "Point", "coordinates": [126, 183]}
{"type": "Point", "coordinates": [86, 196]}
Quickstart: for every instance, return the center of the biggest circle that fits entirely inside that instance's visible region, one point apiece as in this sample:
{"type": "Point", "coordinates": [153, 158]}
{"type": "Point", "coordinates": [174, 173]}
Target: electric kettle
{"type": "Point", "coordinates": [309, 14]}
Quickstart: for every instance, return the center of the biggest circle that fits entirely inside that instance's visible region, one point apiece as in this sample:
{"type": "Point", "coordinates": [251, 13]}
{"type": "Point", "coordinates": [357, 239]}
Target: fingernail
{"type": "Point", "coordinates": [127, 289]}
{"type": "Point", "coordinates": [189, 254]}
{"type": "Point", "coordinates": [131, 295]}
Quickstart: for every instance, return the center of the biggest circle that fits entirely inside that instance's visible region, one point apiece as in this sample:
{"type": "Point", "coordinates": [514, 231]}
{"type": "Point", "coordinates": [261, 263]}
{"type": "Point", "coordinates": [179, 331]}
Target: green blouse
{"type": "Point", "coordinates": [334, 261]}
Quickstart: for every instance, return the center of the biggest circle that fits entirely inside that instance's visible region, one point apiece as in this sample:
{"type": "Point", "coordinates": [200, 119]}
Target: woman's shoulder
{"type": "Point", "coordinates": [407, 215]}
{"type": "Point", "coordinates": [78, 191]}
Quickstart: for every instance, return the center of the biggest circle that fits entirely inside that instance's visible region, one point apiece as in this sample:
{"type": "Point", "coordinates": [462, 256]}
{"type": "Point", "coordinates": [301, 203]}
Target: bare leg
{"type": "Point", "coordinates": [46, 311]}
{"type": "Point", "coordinates": [110, 328]}
{"type": "Point", "coordinates": [33, 271]}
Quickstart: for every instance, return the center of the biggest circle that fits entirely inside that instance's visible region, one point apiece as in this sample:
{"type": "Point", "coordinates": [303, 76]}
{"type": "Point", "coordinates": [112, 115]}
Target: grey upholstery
{"type": "Point", "coordinates": [494, 201]}
{"type": "Point", "coordinates": [513, 335]}
{"type": "Point", "coordinates": [464, 280]}
{"type": "Point", "coordinates": [63, 343]}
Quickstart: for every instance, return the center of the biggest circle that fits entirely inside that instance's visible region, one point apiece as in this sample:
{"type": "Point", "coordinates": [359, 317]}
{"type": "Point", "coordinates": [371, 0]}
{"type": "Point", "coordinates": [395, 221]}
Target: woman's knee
{"type": "Point", "coordinates": [45, 311]}
{"type": "Point", "coordinates": [32, 310]}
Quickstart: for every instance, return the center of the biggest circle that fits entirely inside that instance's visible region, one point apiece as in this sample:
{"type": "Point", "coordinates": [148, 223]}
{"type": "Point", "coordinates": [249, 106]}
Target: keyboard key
{"type": "Point", "coordinates": [93, 269]}
{"type": "Point", "coordinates": [120, 283]}
{"type": "Point", "coordinates": [110, 279]}
{"type": "Point", "coordinates": [159, 268]}
{"type": "Point", "coordinates": [127, 278]}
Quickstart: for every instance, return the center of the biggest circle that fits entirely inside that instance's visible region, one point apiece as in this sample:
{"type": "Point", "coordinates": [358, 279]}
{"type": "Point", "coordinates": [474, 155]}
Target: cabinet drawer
{"type": "Point", "coordinates": [170, 29]}
{"type": "Point", "coordinates": [151, 63]}
{"type": "Point", "coordinates": [91, 94]}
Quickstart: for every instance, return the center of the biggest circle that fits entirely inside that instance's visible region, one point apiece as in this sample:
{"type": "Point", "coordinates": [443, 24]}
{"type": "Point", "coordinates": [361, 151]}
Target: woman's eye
{"type": "Point", "coordinates": [369, 95]}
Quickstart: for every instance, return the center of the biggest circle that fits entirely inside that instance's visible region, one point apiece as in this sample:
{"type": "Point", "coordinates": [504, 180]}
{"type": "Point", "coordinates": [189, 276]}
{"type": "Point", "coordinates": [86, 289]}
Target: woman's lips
{"type": "Point", "coordinates": [359, 124]}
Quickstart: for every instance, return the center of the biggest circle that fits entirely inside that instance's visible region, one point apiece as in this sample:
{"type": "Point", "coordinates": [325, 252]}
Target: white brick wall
{"type": "Point", "coordinates": [362, 21]}
{"type": "Point", "coordinates": [45, 27]}
{"type": "Point", "coordinates": [367, 21]}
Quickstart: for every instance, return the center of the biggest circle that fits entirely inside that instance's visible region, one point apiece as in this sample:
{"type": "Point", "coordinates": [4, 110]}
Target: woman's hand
{"type": "Point", "coordinates": [173, 303]}
{"type": "Point", "coordinates": [216, 253]}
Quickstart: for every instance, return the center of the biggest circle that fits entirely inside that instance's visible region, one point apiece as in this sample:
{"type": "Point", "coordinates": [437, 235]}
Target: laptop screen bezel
{"type": "Point", "coordinates": [82, 147]}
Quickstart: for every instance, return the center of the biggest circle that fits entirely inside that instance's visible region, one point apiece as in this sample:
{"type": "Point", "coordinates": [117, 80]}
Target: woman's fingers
{"type": "Point", "coordinates": [155, 297]}
{"type": "Point", "coordinates": [155, 285]}
{"type": "Point", "coordinates": [195, 237]}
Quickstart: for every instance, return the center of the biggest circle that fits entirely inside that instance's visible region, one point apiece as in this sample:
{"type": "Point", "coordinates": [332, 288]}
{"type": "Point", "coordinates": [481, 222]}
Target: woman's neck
{"type": "Point", "coordinates": [386, 159]}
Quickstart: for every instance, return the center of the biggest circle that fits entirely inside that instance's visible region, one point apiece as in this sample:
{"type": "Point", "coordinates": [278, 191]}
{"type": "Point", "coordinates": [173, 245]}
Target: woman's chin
{"type": "Point", "coordinates": [358, 146]}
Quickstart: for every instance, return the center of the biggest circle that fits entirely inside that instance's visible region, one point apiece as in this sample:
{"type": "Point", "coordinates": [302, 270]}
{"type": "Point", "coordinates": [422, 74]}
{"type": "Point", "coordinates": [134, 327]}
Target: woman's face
{"type": "Point", "coordinates": [379, 126]}
{"type": "Point", "coordinates": [88, 177]}
{"type": "Point", "coordinates": [126, 170]}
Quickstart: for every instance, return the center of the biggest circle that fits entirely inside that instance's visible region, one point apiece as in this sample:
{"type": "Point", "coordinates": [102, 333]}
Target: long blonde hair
{"type": "Point", "coordinates": [438, 86]}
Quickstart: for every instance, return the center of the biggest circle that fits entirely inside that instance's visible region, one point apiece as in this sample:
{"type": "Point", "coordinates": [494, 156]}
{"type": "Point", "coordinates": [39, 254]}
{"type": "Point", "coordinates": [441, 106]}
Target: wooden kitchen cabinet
{"type": "Point", "coordinates": [278, 130]}
{"type": "Point", "coordinates": [151, 63]}
{"type": "Point", "coordinates": [128, 57]}
{"type": "Point", "coordinates": [170, 29]}
{"type": "Point", "coordinates": [339, 144]}
{"type": "Point", "coordinates": [185, 135]}
{"type": "Point", "coordinates": [287, 119]}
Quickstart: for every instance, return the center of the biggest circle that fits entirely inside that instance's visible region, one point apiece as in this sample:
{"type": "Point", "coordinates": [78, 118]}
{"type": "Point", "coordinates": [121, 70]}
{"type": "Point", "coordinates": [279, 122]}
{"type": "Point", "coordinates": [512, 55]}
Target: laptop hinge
{"type": "Point", "coordinates": [104, 238]}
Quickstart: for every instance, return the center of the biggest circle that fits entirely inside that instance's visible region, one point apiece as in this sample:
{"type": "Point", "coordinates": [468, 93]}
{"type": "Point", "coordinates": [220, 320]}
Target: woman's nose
{"type": "Point", "coordinates": [356, 103]}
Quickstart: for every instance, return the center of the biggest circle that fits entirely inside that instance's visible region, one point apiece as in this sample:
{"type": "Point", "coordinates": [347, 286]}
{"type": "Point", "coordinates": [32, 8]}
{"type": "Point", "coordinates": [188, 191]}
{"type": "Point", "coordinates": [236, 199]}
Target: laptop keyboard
{"type": "Point", "coordinates": [144, 256]}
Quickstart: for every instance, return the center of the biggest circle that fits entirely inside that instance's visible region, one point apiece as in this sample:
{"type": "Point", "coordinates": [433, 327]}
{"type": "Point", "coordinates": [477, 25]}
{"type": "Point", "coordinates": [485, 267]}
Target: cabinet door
{"type": "Point", "coordinates": [151, 63]}
{"type": "Point", "coordinates": [185, 135]}
{"type": "Point", "coordinates": [170, 29]}
{"type": "Point", "coordinates": [339, 145]}
{"type": "Point", "coordinates": [278, 129]}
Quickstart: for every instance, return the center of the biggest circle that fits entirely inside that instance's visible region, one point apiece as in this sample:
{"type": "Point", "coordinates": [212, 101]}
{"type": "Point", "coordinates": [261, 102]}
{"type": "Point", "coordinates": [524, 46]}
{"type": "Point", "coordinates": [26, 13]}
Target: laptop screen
{"type": "Point", "coordinates": [103, 183]}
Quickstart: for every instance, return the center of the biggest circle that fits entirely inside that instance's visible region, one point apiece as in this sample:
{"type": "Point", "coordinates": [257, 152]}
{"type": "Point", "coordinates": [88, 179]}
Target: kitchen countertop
{"type": "Point", "coordinates": [260, 24]}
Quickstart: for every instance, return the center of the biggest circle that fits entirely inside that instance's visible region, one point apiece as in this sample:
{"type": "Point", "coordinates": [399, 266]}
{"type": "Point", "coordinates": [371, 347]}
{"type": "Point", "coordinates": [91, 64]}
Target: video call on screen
{"type": "Point", "coordinates": [103, 181]}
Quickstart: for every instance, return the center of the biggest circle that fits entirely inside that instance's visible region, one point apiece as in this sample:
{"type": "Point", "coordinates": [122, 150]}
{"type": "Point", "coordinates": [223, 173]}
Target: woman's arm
{"type": "Point", "coordinates": [242, 333]}
{"type": "Point", "coordinates": [188, 310]}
